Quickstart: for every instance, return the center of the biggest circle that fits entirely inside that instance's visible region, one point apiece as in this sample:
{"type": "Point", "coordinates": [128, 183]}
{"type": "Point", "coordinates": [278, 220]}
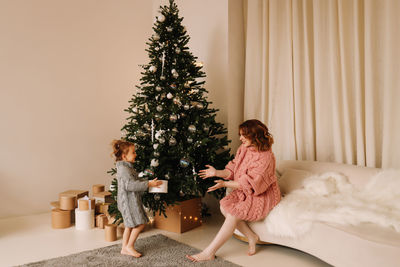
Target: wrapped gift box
{"type": "Point", "coordinates": [103, 197]}
{"type": "Point", "coordinates": [75, 193]}
{"type": "Point", "coordinates": [97, 188]}
{"type": "Point", "coordinates": [180, 218]}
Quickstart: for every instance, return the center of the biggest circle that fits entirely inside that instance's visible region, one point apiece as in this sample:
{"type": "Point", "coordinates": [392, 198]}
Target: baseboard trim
{"type": "Point", "coordinates": [244, 239]}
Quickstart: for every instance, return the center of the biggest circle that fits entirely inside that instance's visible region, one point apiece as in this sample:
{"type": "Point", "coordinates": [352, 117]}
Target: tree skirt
{"type": "Point", "coordinates": [158, 250]}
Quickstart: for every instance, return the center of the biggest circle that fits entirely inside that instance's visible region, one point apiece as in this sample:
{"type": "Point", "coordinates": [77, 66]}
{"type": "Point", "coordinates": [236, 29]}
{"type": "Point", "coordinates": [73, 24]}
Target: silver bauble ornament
{"type": "Point", "coordinates": [161, 140]}
{"type": "Point", "coordinates": [172, 141]}
{"type": "Point", "coordinates": [153, 68]}
{"type": "Point", "coordinates": [154, 163]}
{"type": "Point", "coordinates": [161, 18]}
{"type": "Point", "coordinates": [175, 75]}
{"type": "Point", "coordinates": [186, 107]}
{"type": "Point", "coordinates": [173, 118]}
{"type": "Point", "coordinates": [159, 108]}
{"type": "Point", "coordinates": [158, 88]}
{"type": "Point", "coordinates": [192, 128]}
{"type": "Point", "coordinates": [190, 140]}
{"type": "Point", "coordinates": [199, 105]}
{"type": "Point", "coordinates": [169, 96]}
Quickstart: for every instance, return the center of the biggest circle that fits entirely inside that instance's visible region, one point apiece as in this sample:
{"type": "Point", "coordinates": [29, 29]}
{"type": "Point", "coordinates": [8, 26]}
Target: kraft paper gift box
{"type": "Point", "coordinates": [180, 218]}
{"type": "Point", "coordinates": [86, 203]}
{"type": "Point", "coordinates": [110, 232]}
{"type": "Point", "coordinates": [101, 221]}
{"type": "Point", "coordinates": [103, 197]}
{"type": "Point", "coordinates": [60, 218]}
{"type": "Point", "coordinates": [97, 188]}
{"type": "Point", "coordinates": [76, 193]}
{"type": "Point", "coordinates": [102, 208]}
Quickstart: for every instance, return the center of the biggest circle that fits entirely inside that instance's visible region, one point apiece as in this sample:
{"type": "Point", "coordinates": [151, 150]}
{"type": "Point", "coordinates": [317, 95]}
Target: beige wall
{"type": "Point", "coordinates": [67, 71]}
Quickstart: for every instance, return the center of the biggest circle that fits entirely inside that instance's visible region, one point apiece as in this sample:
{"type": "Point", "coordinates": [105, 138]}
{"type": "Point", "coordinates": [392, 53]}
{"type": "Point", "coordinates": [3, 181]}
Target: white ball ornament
{"type": "Point", "coordinates": [156, 37]}
{"type": "Point", "coordinates": [169, 96]}
{"type": "Point", "coordinates": [155, 146]}
{"type": "Point", "coordinates": [190, 140]}
{"type": "Point", "coordinates": [135, 109]}
{"type": "Point", "coordinates": [192, 128]}
{"type": "Point", "coordinates": [159, 108]}
{"type": "Point", "coordinates": [172, 141]}
{"type": "Point", "coordinates": [186, 107]}
{"type": "Point", "coordinates": [161, 18]}
{"type": "Point", "coordinates": [158, 88]}
{"type": "Point", "coordinates": [153, 69]}
{"type": "Point", "coordinates": [175, 75]}
{"type": "Point", "coordinates": [161, 140]}
{"type": "Point", "coordinates": [173, 117]}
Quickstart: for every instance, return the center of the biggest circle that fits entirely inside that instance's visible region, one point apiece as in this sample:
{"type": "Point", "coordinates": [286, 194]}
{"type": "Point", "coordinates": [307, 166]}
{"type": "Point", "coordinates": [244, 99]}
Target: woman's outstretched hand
{"type": "Point", "coordinates": [207, 173]}
{"type": "Point", "coordinates": [218, 184]}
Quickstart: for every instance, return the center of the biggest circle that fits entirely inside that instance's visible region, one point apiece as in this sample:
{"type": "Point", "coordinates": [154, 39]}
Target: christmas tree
{"type": "Point", "coordinates": [171, 121]}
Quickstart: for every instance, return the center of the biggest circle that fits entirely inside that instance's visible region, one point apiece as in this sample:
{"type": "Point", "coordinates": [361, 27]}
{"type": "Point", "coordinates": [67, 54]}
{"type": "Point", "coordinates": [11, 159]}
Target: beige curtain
{"type": "Point", "coordinates": [324, 75]}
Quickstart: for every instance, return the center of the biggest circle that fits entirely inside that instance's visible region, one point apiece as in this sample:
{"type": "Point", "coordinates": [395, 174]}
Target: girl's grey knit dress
{"type": "Point", "coordinates": [130, 190]}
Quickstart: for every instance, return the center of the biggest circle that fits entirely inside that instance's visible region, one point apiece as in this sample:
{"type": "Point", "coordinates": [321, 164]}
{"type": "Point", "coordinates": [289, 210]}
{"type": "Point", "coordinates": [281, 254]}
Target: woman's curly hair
{"type": "Point", "coordinates": [257, 133]}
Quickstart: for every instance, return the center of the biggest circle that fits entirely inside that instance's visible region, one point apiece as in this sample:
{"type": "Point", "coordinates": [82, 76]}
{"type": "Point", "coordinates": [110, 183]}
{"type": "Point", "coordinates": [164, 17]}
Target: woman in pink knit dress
{"type": "Point", "coordinates": [251, 175]}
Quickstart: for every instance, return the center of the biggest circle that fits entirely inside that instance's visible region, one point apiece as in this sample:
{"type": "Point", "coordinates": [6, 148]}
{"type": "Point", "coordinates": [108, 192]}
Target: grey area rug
{"type": "Point", "coordinates": [158, 250]}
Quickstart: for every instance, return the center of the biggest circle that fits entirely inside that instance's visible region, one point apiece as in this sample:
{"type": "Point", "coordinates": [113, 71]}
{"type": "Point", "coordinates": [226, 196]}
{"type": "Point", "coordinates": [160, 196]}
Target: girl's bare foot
{"type": "Point", "coordinates": [200, 257]}
{"type": "Point", "coordinates": [252, 245]}
{"type": "Point", "coordinates": [131, 252]}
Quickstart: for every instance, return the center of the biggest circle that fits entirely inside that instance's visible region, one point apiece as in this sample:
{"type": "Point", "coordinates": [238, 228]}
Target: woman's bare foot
{"type": "Point", "coordinates": [200, 257]}
{"type": "Point", "coordinates": [252, 245]}
{"type": "Point", "coordinates": [131, 252]}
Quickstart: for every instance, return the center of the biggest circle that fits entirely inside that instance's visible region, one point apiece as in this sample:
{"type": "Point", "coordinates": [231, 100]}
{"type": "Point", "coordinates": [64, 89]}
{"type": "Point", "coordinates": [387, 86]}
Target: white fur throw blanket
{"type": "Point", "coordinates": [331, 198]}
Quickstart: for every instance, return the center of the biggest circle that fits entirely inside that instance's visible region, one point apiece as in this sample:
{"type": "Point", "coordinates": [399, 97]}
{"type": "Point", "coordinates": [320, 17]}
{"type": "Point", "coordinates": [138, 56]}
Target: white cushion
{"type": "Point", "coordinates": [292, 179]}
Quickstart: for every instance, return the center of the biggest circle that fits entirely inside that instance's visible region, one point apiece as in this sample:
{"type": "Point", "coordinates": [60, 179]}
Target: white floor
{"type": "Point", "coordinates": [31, 238]}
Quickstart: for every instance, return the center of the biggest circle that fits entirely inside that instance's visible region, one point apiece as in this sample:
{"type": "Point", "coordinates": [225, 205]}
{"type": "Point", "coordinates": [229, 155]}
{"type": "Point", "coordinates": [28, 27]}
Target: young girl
{"type": "Point", "coordinates": [130, 188]}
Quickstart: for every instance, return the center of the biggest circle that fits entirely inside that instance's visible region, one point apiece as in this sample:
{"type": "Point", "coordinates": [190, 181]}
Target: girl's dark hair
{"type": "Point", "coordinates": [120, 147]}
{"type": "Point", "coordinates": [258, 134]}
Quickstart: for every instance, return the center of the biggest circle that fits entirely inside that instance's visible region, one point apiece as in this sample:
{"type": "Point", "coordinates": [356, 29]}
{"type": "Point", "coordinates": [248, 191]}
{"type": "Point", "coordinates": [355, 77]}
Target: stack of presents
{"type": "Point", "coordinates": [76, 207]}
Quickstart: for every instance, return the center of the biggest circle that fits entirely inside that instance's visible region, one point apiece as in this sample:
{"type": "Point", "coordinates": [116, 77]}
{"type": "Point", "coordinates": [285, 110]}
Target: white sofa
{"type": "Point", "coordinates": [363, 245]}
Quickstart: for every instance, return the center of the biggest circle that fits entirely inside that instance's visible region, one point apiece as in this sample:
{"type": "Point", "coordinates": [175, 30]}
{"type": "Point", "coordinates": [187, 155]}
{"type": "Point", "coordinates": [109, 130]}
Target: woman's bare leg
{"type": "Point", "coordinates": [247, 232]}
{"type": "Point", "coordinates": [222, 236]}
{"type": "Point", "coordinates": [251, 236]}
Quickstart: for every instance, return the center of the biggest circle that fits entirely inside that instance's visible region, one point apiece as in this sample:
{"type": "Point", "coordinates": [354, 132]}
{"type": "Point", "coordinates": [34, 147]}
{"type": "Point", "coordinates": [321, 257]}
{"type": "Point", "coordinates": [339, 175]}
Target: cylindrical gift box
{"type": "Point", "coordinates": [111, 232]}
{"type": "Point", "coordinates": [101, 221]}
{"type": "Point", "coordinates": [86, 203]}
{"type": "Point", "coordinates": [60, 218]}
{"type": "Point", "coordinates": [120, 229]}
{"type": "Point", "coordinates": [84, 219]}
{"type": "Point", "coordinates": [67, 202]}
{"type": "Point", "coordinates": [97, 188]}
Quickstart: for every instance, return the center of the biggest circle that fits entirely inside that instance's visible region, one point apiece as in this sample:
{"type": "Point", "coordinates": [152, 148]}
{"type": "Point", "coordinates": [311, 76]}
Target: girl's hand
{"type": "Point", "coordinates": [218, 184]}
{"type": "Point", "coordinates": [207, 173]}
{"type": "Point", "coordinates": [155, 183]}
